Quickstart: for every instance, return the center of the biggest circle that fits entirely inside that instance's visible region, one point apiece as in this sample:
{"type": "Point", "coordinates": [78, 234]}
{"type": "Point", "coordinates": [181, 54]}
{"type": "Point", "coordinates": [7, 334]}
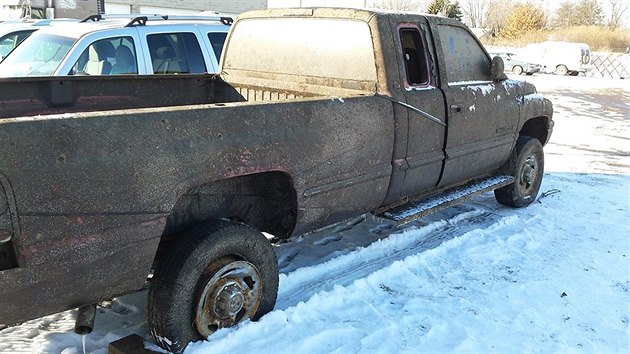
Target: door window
{"type": "Point", "coordinates": [111, 56]}
{"type": "Point", "coordinates": [175, 53]}
{"type": "Point", "coordinates": [464, 57]}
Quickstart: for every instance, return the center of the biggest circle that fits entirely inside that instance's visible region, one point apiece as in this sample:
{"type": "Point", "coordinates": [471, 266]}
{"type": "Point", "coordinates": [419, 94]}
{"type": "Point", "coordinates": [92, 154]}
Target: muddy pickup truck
{"type": "Point", "coordinates": [184, 182]}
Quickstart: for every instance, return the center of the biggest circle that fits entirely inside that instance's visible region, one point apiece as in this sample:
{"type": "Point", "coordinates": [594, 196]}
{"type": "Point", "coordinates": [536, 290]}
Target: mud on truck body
{"type": "Point", "coordinates": [318, 115]}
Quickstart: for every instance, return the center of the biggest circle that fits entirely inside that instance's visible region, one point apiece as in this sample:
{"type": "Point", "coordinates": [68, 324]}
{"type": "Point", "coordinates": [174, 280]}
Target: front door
{"type": "Point", "coordinates": [482, 115]}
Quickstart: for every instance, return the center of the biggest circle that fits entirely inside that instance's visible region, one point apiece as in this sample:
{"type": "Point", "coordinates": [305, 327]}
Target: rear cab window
{"type": "Point", "coordinates": [416, 57]}
{"type": "Point", "coordinates": [308, 46]}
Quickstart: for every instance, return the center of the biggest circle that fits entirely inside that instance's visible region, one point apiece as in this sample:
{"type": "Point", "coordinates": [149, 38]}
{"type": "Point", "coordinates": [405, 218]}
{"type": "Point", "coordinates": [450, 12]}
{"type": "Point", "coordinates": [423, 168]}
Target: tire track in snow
{"type": "Point", "coordinates": [301, 284]}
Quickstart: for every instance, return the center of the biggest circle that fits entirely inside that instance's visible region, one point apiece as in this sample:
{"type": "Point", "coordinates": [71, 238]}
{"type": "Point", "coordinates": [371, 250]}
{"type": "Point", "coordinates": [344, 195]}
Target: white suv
{"type": "Point", "coordinates": [120, 45]}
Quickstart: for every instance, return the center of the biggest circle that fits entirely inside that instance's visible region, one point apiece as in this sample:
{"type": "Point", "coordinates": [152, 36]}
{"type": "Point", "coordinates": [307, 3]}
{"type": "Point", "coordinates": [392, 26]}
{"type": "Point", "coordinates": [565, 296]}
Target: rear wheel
{"type": "Point", "coordinates": [561, 70]}
{"type": "Point", "coordinates": [527, 168]}
{"type": "Point", "coordinates": [213, 277]}
{"type": "Point", "coordinates": [517, 69]}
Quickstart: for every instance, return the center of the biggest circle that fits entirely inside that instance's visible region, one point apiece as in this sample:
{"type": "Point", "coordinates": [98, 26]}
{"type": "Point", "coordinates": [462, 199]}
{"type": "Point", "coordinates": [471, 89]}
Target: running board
{"type": "Point", "coordinates": [416, 209]}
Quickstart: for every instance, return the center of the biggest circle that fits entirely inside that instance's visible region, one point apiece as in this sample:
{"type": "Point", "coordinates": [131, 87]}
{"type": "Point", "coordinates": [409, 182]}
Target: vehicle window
{"type": "Point", "coordinates": [175, 53]}
{"type": "Point", "coordinates": [111, 56]}
{"type": "Point", "coordinates": [464, 58]}
{"type": "Point", "coordinates": [39, 55]}
{"type": "Point", "coordinates": [308, 46]}
{"type": "Point", "coordinates": [217, 39]}
{"type": "Point", "coordinates": [415, 57]}
{"type": "Point", "coordinates": [11, 40]}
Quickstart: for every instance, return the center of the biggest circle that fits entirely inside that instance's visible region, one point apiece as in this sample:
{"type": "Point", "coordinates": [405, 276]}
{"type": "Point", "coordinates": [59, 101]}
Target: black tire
{"type": "Point", "coordinates": [517, 69]}
{"type": "Point", "coordinates": [529, 74]}
{"type": "Point", "coordinates": [574, 73]}
{"type": "Point", "coordinates": [527, 166]}
{"type": "Point", "coordinates": [201, 280]}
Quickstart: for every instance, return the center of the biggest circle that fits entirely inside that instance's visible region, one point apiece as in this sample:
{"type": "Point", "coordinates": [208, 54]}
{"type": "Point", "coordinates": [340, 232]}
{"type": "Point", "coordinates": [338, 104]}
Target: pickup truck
{"type": "Point", "coordinates": [318, 115]}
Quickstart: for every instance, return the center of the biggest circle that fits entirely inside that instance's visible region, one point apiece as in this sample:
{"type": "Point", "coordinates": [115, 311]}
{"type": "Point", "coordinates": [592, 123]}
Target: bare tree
{"type": "Point", "coordinates": [565, 14]}
{"type": "Point", "coordinates": [498, 12]}
{"type": "Point", "coordinates": [475, 11]}
{"type": "Point", "coordinates": [617, 13]}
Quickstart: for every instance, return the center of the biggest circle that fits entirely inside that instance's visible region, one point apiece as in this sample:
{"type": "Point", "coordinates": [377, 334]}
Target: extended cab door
{"type": "Point", "coordinates": [419, 78]}
{"type": "Point", "coordinates": [482, 115]}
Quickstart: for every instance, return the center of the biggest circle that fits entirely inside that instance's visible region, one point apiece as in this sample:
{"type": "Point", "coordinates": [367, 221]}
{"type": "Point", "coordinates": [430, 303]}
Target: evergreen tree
{"type": "Point", "coordinates": [445, 8]}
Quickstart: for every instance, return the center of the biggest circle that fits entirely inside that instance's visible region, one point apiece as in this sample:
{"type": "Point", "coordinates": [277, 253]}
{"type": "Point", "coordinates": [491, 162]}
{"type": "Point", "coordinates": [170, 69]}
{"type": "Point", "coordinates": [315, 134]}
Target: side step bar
{"type": "Point", "coordinates": [416, 209]}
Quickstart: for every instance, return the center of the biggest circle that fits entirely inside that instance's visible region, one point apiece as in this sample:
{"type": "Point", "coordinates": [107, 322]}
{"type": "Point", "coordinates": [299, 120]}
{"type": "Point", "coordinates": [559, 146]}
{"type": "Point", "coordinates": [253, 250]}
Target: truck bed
{"type": "Point", "coordinates": [90, 182]}
{"type": "Point", "coordinates": [43, 96]}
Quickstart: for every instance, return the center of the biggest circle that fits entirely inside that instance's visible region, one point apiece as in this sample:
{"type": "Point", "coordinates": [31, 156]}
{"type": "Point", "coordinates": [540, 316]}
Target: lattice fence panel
{"type": "Point", "coordinates": [614, 65]}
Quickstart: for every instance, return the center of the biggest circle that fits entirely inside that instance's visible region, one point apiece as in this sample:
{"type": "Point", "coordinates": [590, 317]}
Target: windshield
{"type": "Point", "coordinates": [38, 55]}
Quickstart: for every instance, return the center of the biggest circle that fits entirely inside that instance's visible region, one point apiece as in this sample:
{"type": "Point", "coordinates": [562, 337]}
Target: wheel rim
{"type": "Point", "coordinates": [561, 70]}
{"type": "Point", "coordinates": [528, 175]}
{"type": "Point", "coordinates": [517, 70]}
{"type": "Point", "coordinates": [232, 294]}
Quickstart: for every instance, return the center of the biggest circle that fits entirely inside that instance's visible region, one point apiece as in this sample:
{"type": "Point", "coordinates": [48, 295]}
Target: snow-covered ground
{"type": "Point", "coordinates": [552, 277]}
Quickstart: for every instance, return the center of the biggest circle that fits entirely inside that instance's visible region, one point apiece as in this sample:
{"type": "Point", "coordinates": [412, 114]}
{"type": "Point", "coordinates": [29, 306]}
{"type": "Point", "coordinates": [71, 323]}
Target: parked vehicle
{"type": "Point", "coordinates": [13, 32]}
{"type": "Point", "coordinates": [517, 65]}
{"type": "Point", "coordinates": [106, 180]}
{"type": "Point", "coordinates": [561, 58]}
{"type": "Point", "coordinates": [120, 44]}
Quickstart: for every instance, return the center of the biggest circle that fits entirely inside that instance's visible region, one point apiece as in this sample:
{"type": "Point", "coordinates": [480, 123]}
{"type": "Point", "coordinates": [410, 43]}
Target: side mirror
{"type": "Point", "coordinates": [496, 70]}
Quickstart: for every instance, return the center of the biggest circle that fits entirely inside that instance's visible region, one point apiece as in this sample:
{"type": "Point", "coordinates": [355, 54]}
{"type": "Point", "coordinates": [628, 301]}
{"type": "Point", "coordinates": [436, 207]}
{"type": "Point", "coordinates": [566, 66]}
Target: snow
{"type": "Point", "coordinates": [478, 277]}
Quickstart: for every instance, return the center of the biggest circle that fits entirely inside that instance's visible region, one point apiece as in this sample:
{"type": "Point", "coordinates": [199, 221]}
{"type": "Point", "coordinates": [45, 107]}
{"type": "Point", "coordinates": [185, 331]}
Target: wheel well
{"type": "Point", "coordinates": [537, 128]}
{"type": "Point", "coordinates": [266, 201]}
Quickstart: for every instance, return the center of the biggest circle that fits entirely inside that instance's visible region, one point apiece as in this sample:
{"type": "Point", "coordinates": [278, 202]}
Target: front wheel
{"type": "Point", "coordinates": [212, 277]}
{"type": "Point", "coordinates": [527, 169]}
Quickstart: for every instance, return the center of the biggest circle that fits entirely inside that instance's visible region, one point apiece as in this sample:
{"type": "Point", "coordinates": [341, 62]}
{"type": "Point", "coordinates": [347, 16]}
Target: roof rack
{"type": "Point", "coordinates": [141, 19]}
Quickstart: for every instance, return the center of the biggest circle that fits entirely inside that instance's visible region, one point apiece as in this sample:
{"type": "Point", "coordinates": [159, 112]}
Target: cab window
{"type": "Point", "coordinates": [415, 57]}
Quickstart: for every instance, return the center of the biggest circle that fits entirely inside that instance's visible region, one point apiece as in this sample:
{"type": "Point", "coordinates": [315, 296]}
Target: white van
{"type": "Point", "coordinates": [561, 58]}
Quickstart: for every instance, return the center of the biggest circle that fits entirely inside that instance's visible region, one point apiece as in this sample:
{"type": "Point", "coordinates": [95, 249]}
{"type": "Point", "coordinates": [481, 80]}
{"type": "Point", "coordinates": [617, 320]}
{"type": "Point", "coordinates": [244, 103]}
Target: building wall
{"type": "Point", "coordinates": [224, 6]}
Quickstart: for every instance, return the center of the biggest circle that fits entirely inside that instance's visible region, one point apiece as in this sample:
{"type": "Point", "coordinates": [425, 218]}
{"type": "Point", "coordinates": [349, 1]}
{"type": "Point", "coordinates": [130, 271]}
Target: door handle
{"type": "Point", "coordinates": [455, 108]}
